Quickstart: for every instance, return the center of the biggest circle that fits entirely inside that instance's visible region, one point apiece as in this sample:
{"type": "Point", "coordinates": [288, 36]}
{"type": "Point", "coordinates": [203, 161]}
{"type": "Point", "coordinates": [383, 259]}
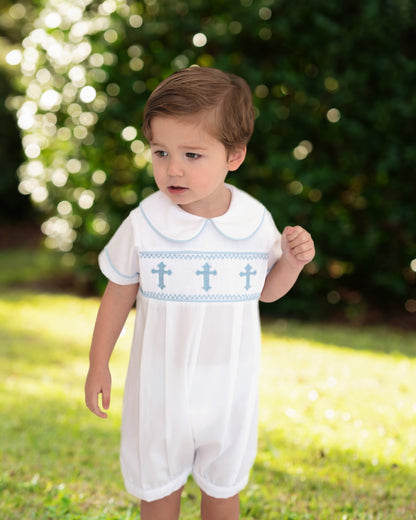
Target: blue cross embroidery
{"type": "Point", "coordinates": [161, 272]}
{"type": "Point", "coordinates": [247, 273]}
{"type": "Point", "coordinates": [206, 274]}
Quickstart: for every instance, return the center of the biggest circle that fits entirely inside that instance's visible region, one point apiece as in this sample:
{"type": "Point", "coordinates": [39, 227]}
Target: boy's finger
{"type": "Point", "coordinates": [100, 413]}
{"type": "Point", "coordinates": [291, 233]}
{"type": "Point", "coordinates": [105, 397]}
{"type": "Point", "coordinates": [288, 230]}
{"type": "Point", "coordinates": [94, 407]}
{"type": "Point", "coordinates": [97, 410]}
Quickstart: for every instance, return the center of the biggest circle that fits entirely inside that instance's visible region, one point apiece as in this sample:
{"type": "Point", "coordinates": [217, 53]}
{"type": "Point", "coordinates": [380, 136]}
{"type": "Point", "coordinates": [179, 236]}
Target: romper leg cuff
{"type": "Point", "coordinates": [152, 494]}
{"type": "Point", "coordinates": [219, 491]}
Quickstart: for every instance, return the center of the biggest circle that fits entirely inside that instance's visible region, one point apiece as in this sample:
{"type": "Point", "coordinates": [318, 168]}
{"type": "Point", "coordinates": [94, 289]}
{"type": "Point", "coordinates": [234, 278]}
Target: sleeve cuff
{"type": "Point", "coordinates": [112, 273]}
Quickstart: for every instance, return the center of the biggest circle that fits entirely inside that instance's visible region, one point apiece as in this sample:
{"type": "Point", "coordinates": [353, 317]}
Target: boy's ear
{"type": "Point", "coordinates": [236, 158]}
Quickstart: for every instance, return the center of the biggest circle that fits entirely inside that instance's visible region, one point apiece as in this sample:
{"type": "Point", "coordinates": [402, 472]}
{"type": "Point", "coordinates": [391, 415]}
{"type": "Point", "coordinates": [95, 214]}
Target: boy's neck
{"type": "Point", "coordinates": [210, 209]}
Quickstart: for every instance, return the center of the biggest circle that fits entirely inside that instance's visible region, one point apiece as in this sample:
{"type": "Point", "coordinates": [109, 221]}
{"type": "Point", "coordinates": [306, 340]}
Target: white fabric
{"type": "Point", "coordinates": [190, 401]}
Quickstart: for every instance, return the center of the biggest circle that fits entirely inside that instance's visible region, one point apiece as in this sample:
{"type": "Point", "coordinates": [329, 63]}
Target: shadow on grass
{"type": "Point", "coordinates": [377, 339]}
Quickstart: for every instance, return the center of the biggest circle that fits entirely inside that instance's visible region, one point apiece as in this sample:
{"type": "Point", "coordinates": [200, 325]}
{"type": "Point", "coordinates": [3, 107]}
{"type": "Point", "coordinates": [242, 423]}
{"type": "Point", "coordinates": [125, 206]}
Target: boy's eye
{"type": "Point", "coordinates": [160, 153]}
{"type": "Point", "coordinates": [192, 155]}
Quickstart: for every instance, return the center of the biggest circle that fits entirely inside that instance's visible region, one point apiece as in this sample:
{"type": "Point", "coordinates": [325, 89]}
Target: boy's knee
{"type": "Point", "coordinates": [167, 508]}
{"type": "Point", "coordinates": [219, 508]}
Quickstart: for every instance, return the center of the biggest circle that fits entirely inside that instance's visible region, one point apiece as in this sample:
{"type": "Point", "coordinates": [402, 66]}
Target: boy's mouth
{"type": "Point", "coordinates": [176, 189]}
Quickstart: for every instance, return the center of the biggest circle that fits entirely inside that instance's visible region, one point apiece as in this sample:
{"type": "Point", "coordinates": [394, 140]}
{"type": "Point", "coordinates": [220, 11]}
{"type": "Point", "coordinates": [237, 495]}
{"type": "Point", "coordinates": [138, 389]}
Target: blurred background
{"type": "Point", "coordinates": [333, 150]}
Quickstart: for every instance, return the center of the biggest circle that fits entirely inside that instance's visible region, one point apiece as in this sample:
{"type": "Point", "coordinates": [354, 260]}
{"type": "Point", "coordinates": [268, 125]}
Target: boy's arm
{"type": "Point", "coordinates": [115, 306]}
{"type": "Point", "coordinates": [298, 250]}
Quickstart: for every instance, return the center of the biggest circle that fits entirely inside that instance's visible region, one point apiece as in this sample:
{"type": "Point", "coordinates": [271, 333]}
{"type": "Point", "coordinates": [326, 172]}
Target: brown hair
{"type": "Point", "coordinates": [196, 90]}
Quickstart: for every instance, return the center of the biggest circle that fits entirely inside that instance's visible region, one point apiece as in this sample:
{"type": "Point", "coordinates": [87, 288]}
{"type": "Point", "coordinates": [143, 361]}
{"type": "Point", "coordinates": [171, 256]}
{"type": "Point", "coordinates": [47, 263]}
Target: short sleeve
{"type": "Point", "coordinates": [119, 261]}
{"type": "Point", "coordinates": [275, 251]}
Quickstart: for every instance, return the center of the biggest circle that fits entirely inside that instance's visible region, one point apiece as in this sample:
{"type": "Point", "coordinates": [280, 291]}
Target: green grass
{"type": "Point", "coordinates": [337, 421]}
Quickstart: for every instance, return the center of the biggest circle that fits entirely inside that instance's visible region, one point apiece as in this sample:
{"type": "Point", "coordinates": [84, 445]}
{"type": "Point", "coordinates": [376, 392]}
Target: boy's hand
{"type": "Point", "coordinates": [98, 382]}
{"type": "Point", "coordinates": [297, 246]}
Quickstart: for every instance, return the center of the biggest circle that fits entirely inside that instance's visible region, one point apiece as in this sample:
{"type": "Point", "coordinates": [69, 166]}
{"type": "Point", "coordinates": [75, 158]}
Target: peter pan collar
{"type": "Point", "coordinates": [242, 219]}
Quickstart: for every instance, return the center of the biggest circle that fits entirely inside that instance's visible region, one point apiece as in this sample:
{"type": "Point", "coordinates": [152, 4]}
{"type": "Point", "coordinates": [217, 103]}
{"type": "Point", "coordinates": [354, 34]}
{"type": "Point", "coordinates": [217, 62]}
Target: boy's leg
{"type": "Point", "coordinates": [166, 508]}
{"type": "Point", "coordinates": [220, 508]}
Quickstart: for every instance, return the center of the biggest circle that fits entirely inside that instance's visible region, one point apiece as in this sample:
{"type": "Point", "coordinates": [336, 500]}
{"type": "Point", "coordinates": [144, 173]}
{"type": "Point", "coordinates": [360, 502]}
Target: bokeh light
{"type": "Point", "coordinates": [333, 115]}
{"type": "Point", "coordinates": [87, 94]}
{"type": "Point", "coordinates": [302, 150]}
{"type": "Point", "coordinates": [199, 40]}
{"type": "Point", "coordinates": [14, 57]}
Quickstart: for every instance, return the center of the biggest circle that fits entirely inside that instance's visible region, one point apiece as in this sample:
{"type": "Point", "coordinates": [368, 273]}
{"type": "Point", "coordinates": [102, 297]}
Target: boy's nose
{"type": "Point", "coordinates": [174, 168]}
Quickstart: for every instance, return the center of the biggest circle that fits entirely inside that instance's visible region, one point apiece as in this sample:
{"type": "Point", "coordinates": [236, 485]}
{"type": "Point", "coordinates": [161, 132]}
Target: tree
{"type": "Point", "coordinates": [333, 86]}
{"type": "Point", "coordinates": [13, 206]}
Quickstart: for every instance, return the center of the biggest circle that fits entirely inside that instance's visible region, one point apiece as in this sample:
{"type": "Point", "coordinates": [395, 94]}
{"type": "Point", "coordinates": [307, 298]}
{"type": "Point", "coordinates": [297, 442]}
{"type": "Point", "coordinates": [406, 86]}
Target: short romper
{"type": "Point", "coordinates": [191, 394]}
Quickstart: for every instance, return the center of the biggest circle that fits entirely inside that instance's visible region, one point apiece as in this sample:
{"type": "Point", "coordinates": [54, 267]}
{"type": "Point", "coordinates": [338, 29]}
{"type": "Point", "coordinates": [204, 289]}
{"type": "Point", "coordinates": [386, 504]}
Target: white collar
{"type": "Point", "coordinates": [242, 219]}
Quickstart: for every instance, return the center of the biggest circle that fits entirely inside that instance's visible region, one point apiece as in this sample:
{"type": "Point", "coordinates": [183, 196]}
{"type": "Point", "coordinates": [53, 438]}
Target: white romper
{"type": "Point", "coordinates": [191, 393]}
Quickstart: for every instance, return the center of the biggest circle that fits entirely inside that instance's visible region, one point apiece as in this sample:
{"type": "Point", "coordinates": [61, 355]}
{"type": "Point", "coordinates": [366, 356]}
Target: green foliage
{"type": "Point", "coordinates": [337, 436]}
{"type": "Point", "coordinates": [11, 207]}
{"type": "Point", "coordinates": [333, 149]}
{"type": "Point", "coordinates": [19, 267]}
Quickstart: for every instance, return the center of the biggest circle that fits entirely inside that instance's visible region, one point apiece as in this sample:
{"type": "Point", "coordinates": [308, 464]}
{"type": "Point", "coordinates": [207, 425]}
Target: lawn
{"type": "Point", "coordinates": [337, 436]}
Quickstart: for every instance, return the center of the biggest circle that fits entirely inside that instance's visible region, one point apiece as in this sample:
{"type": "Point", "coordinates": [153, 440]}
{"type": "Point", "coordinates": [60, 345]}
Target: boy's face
{"type": "Point", "coordinates": [190, 165]}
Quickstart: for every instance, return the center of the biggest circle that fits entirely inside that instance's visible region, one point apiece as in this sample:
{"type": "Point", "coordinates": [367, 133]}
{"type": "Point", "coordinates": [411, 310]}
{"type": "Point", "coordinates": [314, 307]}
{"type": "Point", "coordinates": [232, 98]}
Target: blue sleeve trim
{"type": "Point", "coordinates": [127, 277]}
